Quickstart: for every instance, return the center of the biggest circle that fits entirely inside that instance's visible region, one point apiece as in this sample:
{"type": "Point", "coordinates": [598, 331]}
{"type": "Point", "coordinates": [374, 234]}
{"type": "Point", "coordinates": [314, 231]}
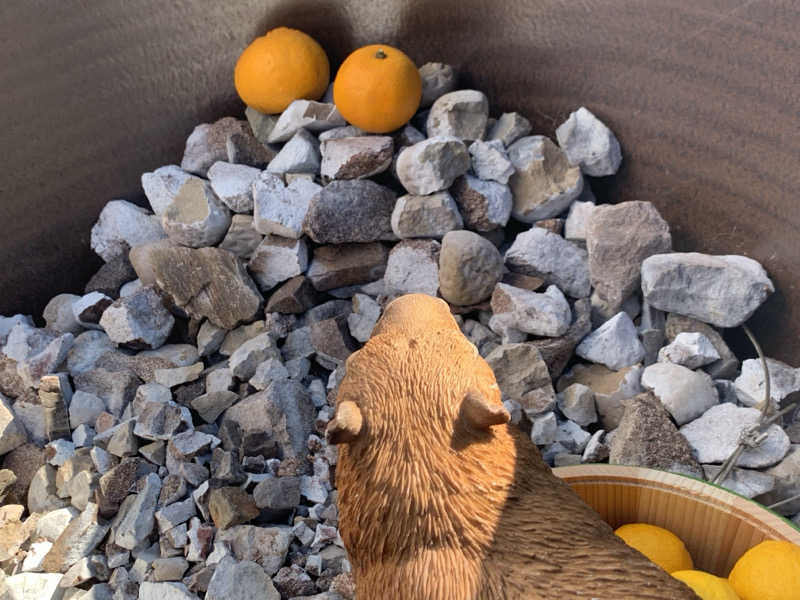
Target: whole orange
{"type": "Point", "coordinates": [282, 66]}
{"type": "Point", "coordinates": [377, 88]}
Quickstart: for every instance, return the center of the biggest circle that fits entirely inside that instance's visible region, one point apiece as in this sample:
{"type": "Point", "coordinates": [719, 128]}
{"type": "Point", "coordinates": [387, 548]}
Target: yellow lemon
{"type": "Point", "coordinates": [659, 545]}
{"type": "Point", "coordinates": [706, 585]}
{"type": "Point", "coordinates": [768, 571]}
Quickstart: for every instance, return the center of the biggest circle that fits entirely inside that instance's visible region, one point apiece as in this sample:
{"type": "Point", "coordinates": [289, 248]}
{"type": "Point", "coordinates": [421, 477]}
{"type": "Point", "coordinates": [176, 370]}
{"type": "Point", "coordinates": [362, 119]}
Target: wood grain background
{"type": "Point", "coordinates": [704, 96]}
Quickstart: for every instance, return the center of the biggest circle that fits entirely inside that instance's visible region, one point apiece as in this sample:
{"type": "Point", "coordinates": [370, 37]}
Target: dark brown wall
{"type": "Point", "coordinates": [704, 96]}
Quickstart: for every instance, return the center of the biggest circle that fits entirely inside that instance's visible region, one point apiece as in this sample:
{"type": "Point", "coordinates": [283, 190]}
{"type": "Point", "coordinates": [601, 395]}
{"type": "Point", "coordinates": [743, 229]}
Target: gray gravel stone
{"type": "Point", "coordinates": [138, 321]}
{"type": "Point", "coordinates": [341, 265]}
{"type": "Point", "coordinates": [233, 184]}
{"type": "Point", "coordinates": [715, 435]}
{"type": "Point", "coordinates": [205, 282]}
{"type": "Point", "coordinates": [484, 205]}
{"type": "Point", "coordinates": [619, 238]}
{"type": "Point", "coordinates": [691, 350]}
{"type": "Point", "coordinates": [165, 591]}
{"type": "Point", "coordinates": [244, 580]}
{"type": "Point", "coordinates": [179, 375]}
{"type": "Point", "coordinates": [175, 514]}
{"type": "Point", "coordinates": [277, 259]}
{"type": "Point", "coordinates": [432, 165]}
{"type": "Point", "coordinates": [86, 350]}
{"type": "Point", "coordinates": [280, 209]}
{"type": "Point", "coordinates": [135, 520]}
{"type": "Point", "coordinates": [209, 338]}
{"type": "Point", "coordinates": [298, 155]}
{"type": "Point", "coordinates": [611, 388]}
{"type": "Point", "coordinates": [519, 369]}
{"type": "Point", "coordinates": [161, 185]}
{"type": "Point", "coordinates": [88, 309]}
{"type": "Point", "coordinates": [267, 546]}
{"type": "Point", "coordinates": [413, 268]}
{"type": "Point", "coordinates": [546, 314]}
{"type": "Point", "coordinates": [244, 361]}
{"type": "Point", "coordinates": [241, 238]}
{"type": "Point", "coordinates": [122, 225]}
{"type": "Point", "coordinates": [544, 429]}
{"type": "Point", "coordinates": [509, 128]}
{"type": "Point", "coordinates": [59, 316]}
{"type": "Point", "coordinates": [596, 450]}
{"type": "Point", "coordinates": [169, 569]}
{"type": "Point", "coordinates": [207, 144]}
{"type": "Point", "coordinates": [77, 540]}
{"type": "Point", "coordinates": [305, 114]}
{"type": "Point", "coordinates": [213, 403]}
{"type": "Point", "coordinates": [356, 157]}
{"type": "Point", "coordinates": [725, 368]}
{"type": "Point", "coordinates": [614, 344]}
{"type": "Point", "coordinates": [195, 217]}
{"type": "Point", "coordinates": [429, 216]}
{"type": "Point", "coordinates": [684, 393]}
{"type": "Point", "coordinates": [469, 268]}
{"type": "Point", "coordinates": [720, 290]}
{"type": "Point", "coordinates": [364, 317]}
{"type": "Point", "coordinates": [490, 161]}
{"type": "Point", "coordinates": [787, 483]}
{"type": "Point", "coordinates": [12, 431]}
{"type": "Point", "coordinates": [544, 254]}
{"type": "Point", "coordinates": [268, 371]}
{"type": "Point", "coordinates": [576, 402]}
{"type": "Point", "coordinates": [744, 482]}
{"type": "Point", "coordinates": [784, 380]}
{"type": "Point", "coordinates": [245, 149]}
{"type": "Point", "coordinates": [589, 143]}
{"type": "Point", "coordinates": [544, 184]}
{"type": "Point", "coordinates": [341, 132]}
{"type": "Point", "coordinates": [437, 79]}
{"type": "Point", "coordinates": [462, 114]}
{"type": "Point", "coordinates": [350, 211]}
{"type": "Point", "coordinates": [576, 226]}
{"type": "Point", "coordinates": [32, 586]}
{"type": "Point", "coordinates": [260, 123]}
{"type": "Point", "coordinates": [572, 437]}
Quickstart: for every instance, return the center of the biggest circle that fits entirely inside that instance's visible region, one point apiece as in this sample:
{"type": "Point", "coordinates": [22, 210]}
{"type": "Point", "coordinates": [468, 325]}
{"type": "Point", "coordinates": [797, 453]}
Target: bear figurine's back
{"type": "Point", "coordinates": [441, 499]}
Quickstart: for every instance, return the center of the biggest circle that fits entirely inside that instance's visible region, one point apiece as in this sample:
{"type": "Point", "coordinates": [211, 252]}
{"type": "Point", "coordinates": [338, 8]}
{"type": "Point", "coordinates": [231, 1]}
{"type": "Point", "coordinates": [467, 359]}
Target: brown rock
{"type": "Point", "coordinates": [295, 296]}
{"type": "Point", "coordinates": [79, 539]}
{"type": "Point", "coordinates": [332, 341]}
{"type": "Point", "coordinates": [557, 352]}
{"type": "Point", "coordinates": [554, 225]}
{"type": "Point", "coordinates": [347, 264]}
{"type": "Point", "coordinates": [469, 267]}
{"type": "Point", "coordinates": [647, 437]}
{"type": "Point", "coordinates": [111, 276]}
{"type": "Point", "coordinates": [355, 157]}
{"type": "Point", "coordinates": [231, 506]}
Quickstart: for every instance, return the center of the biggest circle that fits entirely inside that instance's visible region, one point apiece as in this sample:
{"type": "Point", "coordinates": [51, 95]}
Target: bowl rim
{"type": "Point", "coordinates": [772, 523]}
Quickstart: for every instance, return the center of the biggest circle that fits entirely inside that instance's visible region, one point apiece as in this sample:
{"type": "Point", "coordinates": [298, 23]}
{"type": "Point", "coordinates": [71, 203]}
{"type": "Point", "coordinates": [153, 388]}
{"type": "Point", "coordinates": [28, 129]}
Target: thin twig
{"type": "Point", "coordinates": [784, 501]}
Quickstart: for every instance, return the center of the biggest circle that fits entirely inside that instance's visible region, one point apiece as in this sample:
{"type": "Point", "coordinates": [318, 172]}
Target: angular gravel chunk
{"type": "Point", "coordinates": [280, 208]}
{"type": "Point", "coordinates": [425, 216]}
{"type": "Point", "coordinates": [721, 290]}
{"type": "Point", "coordinates": [485, 205]}
{"type": "Point", "coordinates": [413, 268]}
{"type": "Point", "coordinates": [691, 350]}
{"type": "Point", "coordinates": [469, 268]}
{"type": "Point", "coordinates": [305, 114]}
{"type": "Point", "coordinates": [589, 143]}
{"type": "Point", "coordinates": [347, 264]}
{"type": "Point", "coordinates": [546, 314]}
{"type": "Point", "coordinates": [208, 143]}
{"type": "Point", "coordinates": [544, 184]}
{"type": "Point", "coordinates": [614, 344]}
{"type": "Point", "coordinates": [139, 321]}
{"type": "Point", "coordinates": [578, 218]}
{"type": "Point", "coordinates": [122, 225]}
{"type": "Point", "coordinates": [432, 165]}
{"type": "Point", "coordinates": [196, 217]}
{"type": "Point", "coordinates": [356, 157]}
{"type": "Point", "coordinates": [277, 259]}
{"type": "Point", "coordinates": [684, 393]}
{"type": "Point", "coordinates": [490, 161]}
{"type": "Point", "coordinates": [244, 580]}
{"type": "Point", "coordinates": [509, 128]}
{"type": "Point", "coordinates": [161, 185]}
{"type": "Point", "coordinates": [59, 316]}
{"type": "Point", "coordinates": [544, 254]}
{"type": "Point", "coordinates": [298, 155]}
{"type": "Point", "coordinates": [783, 379]}
{"type": "Point", "coordinates": [462, 114]}
{"type": "Point", "coordinates": [12, 431]}
{"type": "Point", "coordinates": [437, 79]}
{"type": "Point", "coordinates": [233, 185]}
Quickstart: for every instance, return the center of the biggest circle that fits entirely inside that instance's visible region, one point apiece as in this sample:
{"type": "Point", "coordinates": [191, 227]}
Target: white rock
{"type": "Point", "coordinates": [589, 143]}
{"type": "Point", "coordinates": [59, 451]}
{"type": "Point", "coordinates": [546, 314]}
{"type": "Point", "coordinates": [122, 225]}
{"type": "Point", "coordinates": [280, 209]}
{"type": "Point", "coordinates": [277, 259]}
{"type": "Point", "coordinates": [544, 184]}
{"type": "Point", "coordinates": [52, 524]}
{"type": "Point", "coordinates": [744, 482]}
{"type": "Point", "coordinates": [691, 350]}
{"type": "Point", "coordinates": [484, 205]}
{"type": "Point", "coordinates": [260, 123]}
{"type": "Point", "coordinates": [364, 317]}
{"type": "Point", "coordinates": [596, 450]}
{"type": "Point", "coordinates": [544, 254]}
{"type": "Point", "coordinates": [139, 321]}
{"type": "Point", "coordinates": [577, 223]}
{"type": "Point", "coordinates": [244, 361]}
{"type": "Point", "coordinates": [544, 429]}
{"type": "Point", "coordinates": [714, 436]}
{"type": "Point", "coordinates": [509, 128]}
{"type": "Point", "coordinates": [432, 165]}
{"type": "Point", "coordinates": [577, 404]}
{"type": "Point", "coordinates": [462, 114]}
{"type": "Point", "coordinates": [341, 132]}
{"type": "Point", "coordinates": [33, 586]}
{"type": "Point", "coordinates": [437, 80]}
{"type": "Point", "coordinates": [196, 217]}
{"type": "Point", "coordinates": [783, 380]}
{"type": "Point", "coordinates": [572, 436]}
{"type": "Point", "coordinates": [413, 268]}
{"type": "Point", "coordinates": [614, 344]}
{"type": "Point", "coordinates": [59, 316]}
{"type": "Point", "coordinates": [233, 184]}
{"type": "Point", "coordinates": [209, 338]}
{"type": "Point", "coordinates": [720, 290]}
{"type": "Point", "coordinates": [244, 580]}
{"type": "Point", "coordinates": [299, 155]}
{"type": "Point", "coordinates": [12, 431]}
{"type": "Point", "coordinates": [490, 161]}
{"type": "Point", "coordinates": [356, 157]}
{"type": "Point", "coordinates": [162, 185]}
{"type": "Point", "coordinates": [168, 590]}
{"type": "Point", "coordinates": [429, 216]}
{"type": "Point", "coordinates": [305, 114]}
{"type": "Point", "coordinates": [87, 350]}
{"type": "Point", "coordinates": [130, 288]}
{"type": "Point", "coordinates": [268, 371]}
{"type": "Point", "coordinates": [684, 393]}
{"type": "Point", "coordinates": [8, 323]}
{"type": "Point", "coordinates": [135, 519]}
{"type": "Point", "coordinates": [36, 554]}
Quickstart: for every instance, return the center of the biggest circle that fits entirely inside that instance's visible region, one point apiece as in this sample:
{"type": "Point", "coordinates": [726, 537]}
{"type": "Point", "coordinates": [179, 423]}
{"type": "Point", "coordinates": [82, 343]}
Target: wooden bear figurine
{"type": "Point", "coordinates": [441, 499]}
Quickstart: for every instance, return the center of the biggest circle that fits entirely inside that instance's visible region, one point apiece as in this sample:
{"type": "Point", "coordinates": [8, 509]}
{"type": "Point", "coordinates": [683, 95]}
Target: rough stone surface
{"type": "Point", "coordinates": [241, 238]}
{"type": "Point", "coordinates": [484, 205]}
{"type": "Point", "coordinates": [139, 321]}
{"type": "Point", "coordinates": [356, 157]}
{"type": "Point", "coordinates": [32, 586]}
{"type": "Point", "coordinates": [260, 124]}
{"type": "Point", "coordinates": [490, 161]}
{"type": "Point", "coordinates": [59, 316]}
{"type": "Point", "coordinates": [233, 184]}
{"type": "Point", "coordinates": [135, 520]}
{"type": "Point", "coordinates": [246, 149]}
{"type": "Point", "coordinates": [611, 389]}
{"type": "Point", "coordinates": [205, 282]}
{"type": "Point", "coordinates": [614, 344]}
{"type": "Point", "coordinates": [543, 254]}
{"type": "Point", "coordinates": [469, 268]}
{"type": "Point", "coordinates": [727, 367]}
{"type": "Point", "coordinates": [295, 296]}
{"type": "Point", "coordinates": [546, 314]}
{"type": "Point", "coordinates": [280, 209]}
{"type": "Point", "coordinates": [783, 380]}
{"type": "Point", "coordinates": [277, 259]}
{"type": "Point", "coordinates": [576, 402]}
{"type": "Point", "coordinates": [364, 317]}
{"type": "Point", "coordinates": [77, 540]}
{"type": "Point", "coordinates": [720, 290]}
{"type": "Point", "coordinates": [432, 165]}
{"type": "Point", "coordinates": [196, 217]}
{"type": "Point", "coordinates": [244, 580]}
{"type": "Point", "coordinates": [229, 506]}
{"type": "Point", "coordinates": [461, 114]}
{"type": "Point", "coordinates": [212, 404]}
{"type": "Point", "coordinates": [744, 482]}
{"type": "Point", "coordinates": [161, 185]}
{"type": "Point", "coordinates": [122, 225]}
{"type": "Point", "coordinates": [88, 309]}
{"type": "Point", "coordinates": [341, 265]}
{"type": "Point", "coordinates": [691, 350]}
{"type": "Point", "coordinates": [544, 184]}
{"type": "Point", "coordinates": [619, 237]}
{"type": "Point", "coordinates": [519, 370]}
{"type": "Point", "coordinates": [509, 128]}
{"type": "Point", "coordinates": [684, 393]}
{"type": "Point", "coordinates": [787, 483]}
{"type": "Point", "coordinates": [646, 437]}
{"type": "Point", "coordinates": [350, 211]}
{"type": "Point", "coordinates": [572, 437]}
{"type": "Point", "coordinates": [437, 79]}
{"type": "Point", "coordinates": [12, 431]}
{"type": "Point", "coordinates": [244, 361]}
{"type": "Point", "coordinates": [588, 143]}
{"type": "Point", "coordinates": [429, 216]}
{"type": "Point", "coordinates": [715, 435]}
{"type": "Point", "coordinates": [576, 225]}
{"type": "Point", "coordinates": [266, 546]}
{"type": "Point", "coordinates": [305, 114]}
{"type": "Point", "coordinates": [149, 590]}
{"type": "Point", "coordinates": [544, 429]}
{"type": "Point", "coordinates": [207, 144]}
{"type": "Point", "coordinates": [299, 155]}
{"type": "Point", "coordinates": [413, 268]}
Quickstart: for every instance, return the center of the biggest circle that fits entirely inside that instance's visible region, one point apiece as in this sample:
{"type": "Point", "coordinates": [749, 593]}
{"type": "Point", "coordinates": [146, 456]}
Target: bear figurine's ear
{"type": "Point", "coordinates": [479, 413]}
{"type": "Point", "coordinates": [346, 423]}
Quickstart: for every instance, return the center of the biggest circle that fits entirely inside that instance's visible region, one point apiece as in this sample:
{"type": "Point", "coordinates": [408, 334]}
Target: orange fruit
{"type": "Point", "coordinates": [658, 544]}
{"type": "Point", "coordinates": [377, 88]}
{"type": "Point", "coordinates": [768, 571]}
{"type": "Point", "coordinates": [706, 585]}
{"type": "Point", "coordinates": [282, 66]}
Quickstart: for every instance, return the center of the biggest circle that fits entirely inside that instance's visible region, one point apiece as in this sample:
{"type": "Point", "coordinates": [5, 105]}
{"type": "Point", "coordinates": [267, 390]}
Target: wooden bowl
{"type": "Point", "coordinates": [716, 525]}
